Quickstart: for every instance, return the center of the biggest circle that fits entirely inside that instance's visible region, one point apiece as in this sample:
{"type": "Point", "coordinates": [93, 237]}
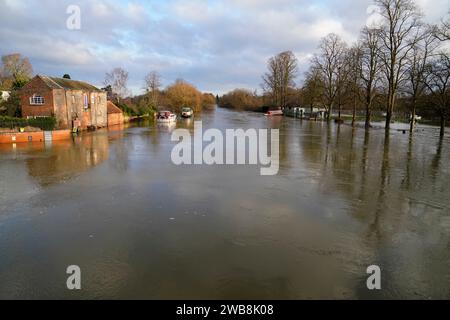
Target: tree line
{"type": "Point", "coordinates": [16, 71]}
{"type": "Point", "coordinates": [398, 63]}
{"type": "Point", "coordinates": [180, 94]}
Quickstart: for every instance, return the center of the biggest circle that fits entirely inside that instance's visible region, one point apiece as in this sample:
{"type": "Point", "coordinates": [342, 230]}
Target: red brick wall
{"type": "Point", "coordinates": [115, 119]}
{"type": "Point", "coordinates": [18, 137]}
{"type": "Point", "coordinates": [36, 86]}
{"type": "Point", "coordinates": [59, 135]}
{"type": "Point", "coordinates": [21, 137]}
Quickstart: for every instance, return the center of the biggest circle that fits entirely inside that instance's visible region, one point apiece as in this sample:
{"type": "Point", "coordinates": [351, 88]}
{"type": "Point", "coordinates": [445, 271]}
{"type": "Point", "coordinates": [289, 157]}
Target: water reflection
{"type": "Point", "coordinates": [141, 227]}
{"type": "Point", "coordinates": [66, 159]}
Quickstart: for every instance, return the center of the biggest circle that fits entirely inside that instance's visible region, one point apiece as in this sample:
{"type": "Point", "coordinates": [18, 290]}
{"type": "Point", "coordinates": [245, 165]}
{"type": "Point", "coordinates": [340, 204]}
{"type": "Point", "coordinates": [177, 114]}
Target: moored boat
{"type": "Point", "coordinates": [187, 113]}
{"type": "Point", "coordinates": [274, 113]}
{"type": "Point", "coordinates": [166, 117]}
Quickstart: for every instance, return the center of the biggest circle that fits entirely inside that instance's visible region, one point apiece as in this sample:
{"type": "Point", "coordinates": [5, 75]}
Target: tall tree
{"type": "Point", "coordinates": [282, 71]}
{"type": "Point", "coordinates": [329, 63]}
{"type": "Point", "coordinates": [353, 78]}
{"type": "Point", "coordinates": [182, 94]}
{"type": "Point", "coordinates": [370, 68]}
{"type": "Point", "coordinates": [312, 89]}
{"type": "Point", "coordinates": [397, 34]}
{"type": "Point", "coordinates": [16, 68]}
{"type": "Point", "coordinates": [443, 32]}
{"type": "Point", "coordinates": [421, 52]}
{"type": "Point", "coordinates": [152, 86]}
{"type": "Point", "coordinates": [118, 80]}
{"type": "Point", "coordinates": [437, 81]}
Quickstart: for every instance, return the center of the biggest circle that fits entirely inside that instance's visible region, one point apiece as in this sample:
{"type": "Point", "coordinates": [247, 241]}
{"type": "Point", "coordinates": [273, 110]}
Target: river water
{"type": "Point", "coordinates": [138, 226]}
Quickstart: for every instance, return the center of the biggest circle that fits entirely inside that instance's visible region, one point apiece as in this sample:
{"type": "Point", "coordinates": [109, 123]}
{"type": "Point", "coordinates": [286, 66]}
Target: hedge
{"type": "Point", "coordinates": [46, 124]}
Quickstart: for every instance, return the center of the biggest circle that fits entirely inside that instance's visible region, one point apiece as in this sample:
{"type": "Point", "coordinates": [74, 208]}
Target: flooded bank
{"type": "Point", "coordinates": [112, 203]}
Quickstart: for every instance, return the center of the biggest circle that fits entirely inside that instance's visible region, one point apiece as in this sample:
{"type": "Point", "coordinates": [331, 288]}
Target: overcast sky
{"type": "Point", "coordinates": [216, 45]}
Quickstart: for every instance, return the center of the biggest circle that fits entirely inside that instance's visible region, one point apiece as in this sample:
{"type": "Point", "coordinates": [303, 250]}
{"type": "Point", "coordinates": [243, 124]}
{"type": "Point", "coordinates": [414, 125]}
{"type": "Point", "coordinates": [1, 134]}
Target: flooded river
{"type": "Point", "coordinates": [138, 226]}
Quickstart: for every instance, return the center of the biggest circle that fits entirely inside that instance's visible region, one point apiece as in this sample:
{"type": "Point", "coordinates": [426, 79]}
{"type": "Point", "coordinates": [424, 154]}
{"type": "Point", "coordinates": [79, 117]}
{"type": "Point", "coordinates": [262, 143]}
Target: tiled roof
{"type": "Point", "coordinates": [67, 84]}
{"type": "Point", "coordinates": [112, 108]}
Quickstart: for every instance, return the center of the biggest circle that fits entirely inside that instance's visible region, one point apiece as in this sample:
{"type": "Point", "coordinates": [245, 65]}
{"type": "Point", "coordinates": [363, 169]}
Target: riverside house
{"type": "Point", "coordinates": [69, 101]}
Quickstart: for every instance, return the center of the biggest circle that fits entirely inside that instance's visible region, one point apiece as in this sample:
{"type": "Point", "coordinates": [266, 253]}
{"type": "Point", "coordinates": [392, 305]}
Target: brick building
{"type": "Point", "coordinates": [67, 100]}
{"type": "Point", "coordinates": [115, 115]}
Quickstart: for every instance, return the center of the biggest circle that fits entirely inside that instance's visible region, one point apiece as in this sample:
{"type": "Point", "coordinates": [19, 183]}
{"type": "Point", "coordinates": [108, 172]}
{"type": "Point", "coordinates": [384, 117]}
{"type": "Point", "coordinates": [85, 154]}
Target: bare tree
{"type": "Point", "coordinates": [369, 69]}
{"type": "Point", "coordinates": [118, 80]}
{"type": "Point", "coordinates": [421, 52]}
{"type": "Point", "coordinates": [152, 86]}
{"type": "Point", "coordinates": [353, 77]}
{"type": "Point", "coordinates": [437, 81]}
{"type": "Point", "coordinates": [401, 19]}
{"type": "Point", "coordinates": [282, 71]}
{"type": "Point", "coordinates": [312, 89]}
{"type": "Point", "coordinates": [16, 67]}
{"type": "Point", "coordinates": [443, 33]}
{"type": "Point", "coordinates": [329, 63]}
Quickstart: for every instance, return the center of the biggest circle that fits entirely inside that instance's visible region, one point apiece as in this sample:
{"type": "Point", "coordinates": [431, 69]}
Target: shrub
{"type": "Point", "coordinates": [126, 109]}
{"type": "Point", "coordinates": [46, 124]}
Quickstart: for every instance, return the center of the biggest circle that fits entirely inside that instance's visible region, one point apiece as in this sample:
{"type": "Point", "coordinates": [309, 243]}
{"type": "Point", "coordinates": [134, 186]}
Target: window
{"type": "Point", "coordinates": [92, 98]}
{"type": "Point", "coordinates": [73, 99]}
{"type": "Point", "coordinates": [37, 100]}
{"type": "Point", "coordinates": [86, 101]}
{"type": "Point", "coordinates": [37, 117]}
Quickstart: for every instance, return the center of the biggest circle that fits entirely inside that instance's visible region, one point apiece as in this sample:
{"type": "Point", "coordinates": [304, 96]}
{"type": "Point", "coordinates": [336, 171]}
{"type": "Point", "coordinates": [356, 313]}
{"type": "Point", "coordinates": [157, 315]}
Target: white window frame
{"type": "Point", "coordinates": [86, 101]}
{"type": "Point", "coordinates": [37, 100]}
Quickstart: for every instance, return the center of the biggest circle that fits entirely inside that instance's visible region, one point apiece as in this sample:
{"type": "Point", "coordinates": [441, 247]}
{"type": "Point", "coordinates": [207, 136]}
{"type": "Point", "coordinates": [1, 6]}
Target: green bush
{"type": "Point", "coordinates": [126, 109]}
{"type": "Point", "coordinates": [46, 124]}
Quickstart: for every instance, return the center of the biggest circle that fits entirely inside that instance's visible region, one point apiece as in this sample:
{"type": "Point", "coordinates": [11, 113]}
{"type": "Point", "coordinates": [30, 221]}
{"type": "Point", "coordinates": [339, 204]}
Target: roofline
{"type": "Point", "coordinates": [40, 76]}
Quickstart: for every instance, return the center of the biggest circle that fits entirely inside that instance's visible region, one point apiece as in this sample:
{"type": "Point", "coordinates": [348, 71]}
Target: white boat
{"type": "Point", "coordinates": [274, 113]}
{"type": "Point", "coordinates": [166, 117]}
{"type": "Point", "coordinates": [187, 113]}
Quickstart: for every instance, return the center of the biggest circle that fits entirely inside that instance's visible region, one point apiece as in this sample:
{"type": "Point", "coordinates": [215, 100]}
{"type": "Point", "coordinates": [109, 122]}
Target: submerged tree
{"type": "Point", "coordinates": [369, 69]}
{"type": "Point", "coordinates": [353, 77]}
{"type": "Point", "coordinates": [422, 50]}
{"type": "Point", "coordinates": [282, 71]}
{"type": "Point", "coordinates": [437, 80]}
{"type": "Point", "coordinates": [397, 38]}
{"type": "Point", "coordinates": [329, 63]}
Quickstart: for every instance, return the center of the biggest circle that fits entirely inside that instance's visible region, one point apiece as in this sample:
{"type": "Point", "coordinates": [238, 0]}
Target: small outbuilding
{"type": "Point", "coordinates": [115, 114]}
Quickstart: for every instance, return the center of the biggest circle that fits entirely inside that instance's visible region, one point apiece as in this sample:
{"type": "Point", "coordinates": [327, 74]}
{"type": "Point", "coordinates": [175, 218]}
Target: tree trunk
{"type": "Point", "coordinates": [368, 108]}
{"type": "Point", "coordinates": [368, 117]}
{"type": "Point", "coordinates": [354, 113]}
{"type": "Point", "coordinates": [390, 109]}
{"type": "Point", "coordinates": [413, 116]}
{"type": "Point", "coordinates": [388, 120]}
{"type": "Point", "coordinates": [330, 110]}
{"type": "Point", "coordinates": [413, 120]}
{"type": "Point", "coordinates": [442, 125]}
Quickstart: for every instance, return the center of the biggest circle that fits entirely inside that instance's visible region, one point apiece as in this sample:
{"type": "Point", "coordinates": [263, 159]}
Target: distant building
{"type": "Point", "coordinates": [67, 100]}
{"type": "Point", "coordinates": [115, 115]}
{"type": "Point", "coordinates": [4, 95]}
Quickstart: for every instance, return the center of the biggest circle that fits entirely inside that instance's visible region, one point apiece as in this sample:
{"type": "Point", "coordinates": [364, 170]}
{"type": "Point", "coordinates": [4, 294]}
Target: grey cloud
{"type": "Point", "coordinates": [216, 45]}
